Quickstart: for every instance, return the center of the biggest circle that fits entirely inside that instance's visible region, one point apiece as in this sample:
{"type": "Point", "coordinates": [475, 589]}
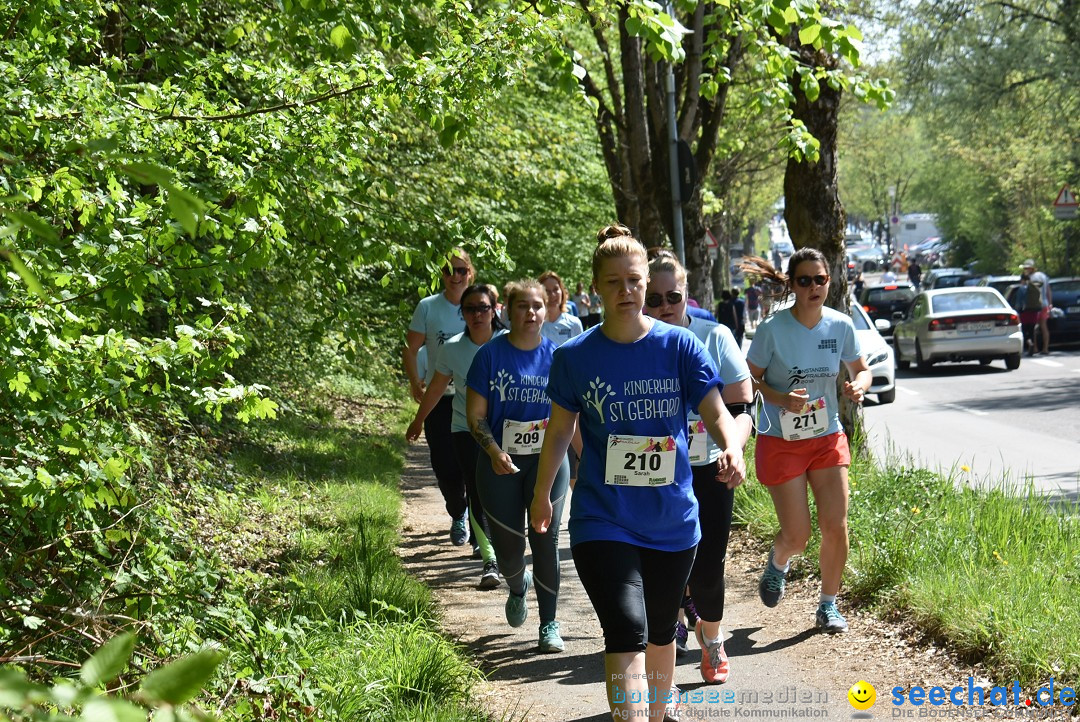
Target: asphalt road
{"type": "Point", "coordinates": [1005, 426]}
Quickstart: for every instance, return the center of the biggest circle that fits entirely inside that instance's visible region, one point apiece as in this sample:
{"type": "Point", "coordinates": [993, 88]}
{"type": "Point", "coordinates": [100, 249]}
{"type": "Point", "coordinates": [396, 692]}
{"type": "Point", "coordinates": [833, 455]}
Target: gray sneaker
{"type": "Point", "coordinates": [489, 578]}
{"type": "Point", "coordinates": [517, 610]}
{"type": "Point", "coordinates": [459, 529]}
{"type": "Point", "coordinates": [829, 619]}
{"type": "Point", "coordinates": [771, 586]}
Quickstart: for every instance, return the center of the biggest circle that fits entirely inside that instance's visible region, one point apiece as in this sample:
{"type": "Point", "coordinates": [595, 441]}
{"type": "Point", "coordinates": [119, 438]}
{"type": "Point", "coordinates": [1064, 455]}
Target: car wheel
{"type": "Point", "coordinates": [1012, 361]}
{"type": "Point", "coordinates": [922, 364]}
{"type": "Point", "coordinates": [901, 363]}
{"type": "Point", "coordinates": [887, 397]}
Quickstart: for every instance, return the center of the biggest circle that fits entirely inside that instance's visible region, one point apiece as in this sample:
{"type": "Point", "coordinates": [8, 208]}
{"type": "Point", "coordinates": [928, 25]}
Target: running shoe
{"type": "Point", "coordinates": [690, 611]}
{"type": "Point", "coordinates": [459, 529]}
{"type": "Point", "coordinates": [681, 635]}
{"type": "Point", "coordinates": [516, 608]}
{"type": "Point", "coordinates": [489, 578]}
{"type": "Point", "coordinates": [550, 641]}
{"type": "Point", "coordinates": [771, 586]}
{"type": "Point", "coordinates": [715, 667]}
{"type": "Point", "coordinates": [829, 619]}
{"type": "Point", "coordinates": [672, 713]}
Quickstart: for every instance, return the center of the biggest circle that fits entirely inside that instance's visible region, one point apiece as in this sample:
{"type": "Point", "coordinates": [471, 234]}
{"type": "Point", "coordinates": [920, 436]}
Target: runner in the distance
{"type": "Point", "coordinates": [507, 411]}
{"type": "Point", "coordinates": [436, 319]}
{"type": "Point", "coordinates": [634, 528]}
{"type": "Point", "coordinates": [666, 300]}
{"type": "Point", "coordinates": [455, 358]}
{"type": "Point", "coordinates": [794, 360]}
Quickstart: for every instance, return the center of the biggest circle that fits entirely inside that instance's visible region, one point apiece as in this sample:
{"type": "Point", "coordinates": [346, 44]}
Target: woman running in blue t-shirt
{"type": "Point", "coordinates": [665, 299]}
{"type": "Point", "coordinates": [507, 411]}
{"type": "Point", "coordinates": [630, 383]}
{"type": "Point", "coordinates": [795, 360]}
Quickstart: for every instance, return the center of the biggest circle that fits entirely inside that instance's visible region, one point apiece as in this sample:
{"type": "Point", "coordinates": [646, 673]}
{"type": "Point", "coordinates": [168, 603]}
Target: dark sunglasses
{"type": "Point", "coordinates": [656, 300]}
{"type": "Point", "coordinates": [476, 309]}
{"type": "Point", "coordinates": [805, 281]}
{"type": "Point", "coordinates": [459, 270]}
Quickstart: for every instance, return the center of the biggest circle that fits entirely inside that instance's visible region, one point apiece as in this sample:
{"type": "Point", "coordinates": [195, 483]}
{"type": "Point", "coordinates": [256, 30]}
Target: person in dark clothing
{"type": "Point", "coordinates": [740, 315]}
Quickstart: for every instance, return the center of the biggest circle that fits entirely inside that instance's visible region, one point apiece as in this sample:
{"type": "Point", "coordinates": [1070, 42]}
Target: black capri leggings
{"type": "Point", "coordinates": [443, 458]}
{"type": "Point", "coordinates": [636, 591]}
{"type": "Point", "coordinates": [714, 512]}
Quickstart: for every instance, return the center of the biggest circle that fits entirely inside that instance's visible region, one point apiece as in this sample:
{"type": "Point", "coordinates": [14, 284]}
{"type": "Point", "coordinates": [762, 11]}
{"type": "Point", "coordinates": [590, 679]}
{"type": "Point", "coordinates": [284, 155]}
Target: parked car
{"type": "Point", "coordinates": [877, 352]}
{"type": "Point", "coordinates": [945, 278]}
{"type": "Point", "coordinates": [958, 324]}
{"type": "Point", "coordinates": [1001, 283]}
{"type": "Point", "coordinates": [882, 300]}
{"type": "Point", "coordinates": [1064, 322]}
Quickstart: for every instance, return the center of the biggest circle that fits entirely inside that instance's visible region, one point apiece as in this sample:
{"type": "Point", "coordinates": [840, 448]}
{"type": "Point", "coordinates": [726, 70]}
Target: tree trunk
{"type": "Point", "coordinates": [815, 217]}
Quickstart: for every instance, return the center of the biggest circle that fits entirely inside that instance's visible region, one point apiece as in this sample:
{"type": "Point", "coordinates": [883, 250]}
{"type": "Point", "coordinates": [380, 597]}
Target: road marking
{"type": "Point", "coordinates": [906, 390]}
{"type": "Point", "coordinates": [1045, 362]}
{"type": "Point", "coordinates": [958, 407]}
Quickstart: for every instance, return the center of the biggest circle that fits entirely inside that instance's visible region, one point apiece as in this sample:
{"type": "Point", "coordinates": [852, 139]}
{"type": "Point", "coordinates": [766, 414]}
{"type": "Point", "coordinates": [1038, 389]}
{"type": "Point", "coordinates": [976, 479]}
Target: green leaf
{"type": "Point", "coordinates": [110, 709]}
{"type": "Point", "coordinates": [339, 35]}
{"type": "Point", "coordinates": [809, 34]}
{"type": "Point", "coordinates": [148, 173]}
{"type": "Point", "coordinates": [36, 224]}
{"type": "Point", "coordinates": [107, 663]}
{"type": "Point", "coordinates": [180, 681]}
{"type": "Point", "coordinates": [25, 273]}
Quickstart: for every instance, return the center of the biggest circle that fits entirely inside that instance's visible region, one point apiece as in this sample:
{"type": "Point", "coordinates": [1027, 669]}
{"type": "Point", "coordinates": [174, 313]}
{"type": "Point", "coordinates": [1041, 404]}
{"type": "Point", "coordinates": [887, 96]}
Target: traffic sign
{"type": "Point", "coordinates": [1065, 205]}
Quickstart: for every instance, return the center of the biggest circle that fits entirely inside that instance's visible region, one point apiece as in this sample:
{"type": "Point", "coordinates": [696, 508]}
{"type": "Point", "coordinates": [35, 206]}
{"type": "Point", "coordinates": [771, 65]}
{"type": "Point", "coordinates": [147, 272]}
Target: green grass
{"type": "Point", "coordinates": [995, 576]}
{"type": "Point", "coordinates": [338, 630]}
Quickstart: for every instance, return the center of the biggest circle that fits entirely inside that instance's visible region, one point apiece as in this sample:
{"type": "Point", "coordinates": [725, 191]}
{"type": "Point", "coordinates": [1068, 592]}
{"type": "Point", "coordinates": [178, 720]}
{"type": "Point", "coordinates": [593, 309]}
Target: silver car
{"type": "Point", "coordinates": [969, 323]}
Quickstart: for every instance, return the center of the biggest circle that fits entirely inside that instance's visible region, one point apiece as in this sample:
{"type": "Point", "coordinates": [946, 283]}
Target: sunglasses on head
{"type": "Point", "coordinates": [482, 308]}
{"type": "Point", "coordinates": [655, 300]}
{"type": "Point", "coordinates": [805, 281]}
{"type": "Point", "coordinates": [459, 270]}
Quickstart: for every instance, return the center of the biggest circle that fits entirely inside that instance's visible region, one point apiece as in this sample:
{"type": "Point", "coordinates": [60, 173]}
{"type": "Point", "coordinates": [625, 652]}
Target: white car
{"type": "Point", "coordinates": [877, 352]}
{"type": "Point", "coordinates": [968, 323]}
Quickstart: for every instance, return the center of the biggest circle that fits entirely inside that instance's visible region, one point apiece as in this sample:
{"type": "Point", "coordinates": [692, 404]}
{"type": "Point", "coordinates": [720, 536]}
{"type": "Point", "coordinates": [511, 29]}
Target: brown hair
{"type": "Point", "coordinates": [615, 241]}
{"type": "Point", "coordinates": [515, 289]}
{"type": "Point", "coordinates": [562, 287]}
{"type": "Point", "coordinates": [664, 261]}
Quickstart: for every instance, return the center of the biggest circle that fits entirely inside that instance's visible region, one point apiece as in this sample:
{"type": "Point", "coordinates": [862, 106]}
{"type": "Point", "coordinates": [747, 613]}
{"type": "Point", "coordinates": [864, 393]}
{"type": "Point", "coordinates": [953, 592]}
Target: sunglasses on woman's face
{"type": "Point", "coordinates": [805, 281]}
{"type": "Point", "coordinates": [656, 300]}
{"type": "Point", "coordinates": [483, 308]}
{"type": "Point", "coordinates": [459, 270]}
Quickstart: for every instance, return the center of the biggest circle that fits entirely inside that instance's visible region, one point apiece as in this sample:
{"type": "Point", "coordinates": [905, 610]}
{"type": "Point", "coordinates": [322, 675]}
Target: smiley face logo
{"type": "Point", "coordinates": [862, 695]}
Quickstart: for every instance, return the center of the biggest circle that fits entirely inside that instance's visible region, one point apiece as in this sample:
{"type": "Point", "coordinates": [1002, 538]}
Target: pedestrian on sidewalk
{"type": "Point", "coordinates": [437, 319]}
{"type": "Point", "coordinates": [634, 527]}
{"type": "Point", "coordinates": [507, 411]}
{"type": "Point", "coordinates": [455, 358]}
{"type": "Point", "coordinates": [794, 360]}
{"type": "Point", "coordinates": [665, 300]}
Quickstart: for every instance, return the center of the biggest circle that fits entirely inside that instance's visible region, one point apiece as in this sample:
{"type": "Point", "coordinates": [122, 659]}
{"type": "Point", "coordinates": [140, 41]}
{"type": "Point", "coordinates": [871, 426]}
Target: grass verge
{"type": "Point", "coordinates": [993, 575]}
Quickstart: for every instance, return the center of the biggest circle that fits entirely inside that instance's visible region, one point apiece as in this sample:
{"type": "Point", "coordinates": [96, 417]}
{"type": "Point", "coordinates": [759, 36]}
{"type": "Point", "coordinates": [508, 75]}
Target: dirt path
{"type": "Point", "coordinates": [778, 662]}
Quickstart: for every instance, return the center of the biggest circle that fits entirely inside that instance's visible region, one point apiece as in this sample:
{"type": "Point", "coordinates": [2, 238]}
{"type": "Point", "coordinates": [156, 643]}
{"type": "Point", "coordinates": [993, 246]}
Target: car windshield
{"type": "Point", "coordinates": [859, 319]}
{"type": "Point", "coordinates": [890, 294]}
{"type": "Point", "coordinates": [967, 301]}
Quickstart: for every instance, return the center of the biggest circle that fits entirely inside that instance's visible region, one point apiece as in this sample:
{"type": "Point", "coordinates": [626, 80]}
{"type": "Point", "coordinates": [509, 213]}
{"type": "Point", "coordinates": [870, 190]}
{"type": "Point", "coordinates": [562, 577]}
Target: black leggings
{"type": "Point", "coordinates": [443, 458]}
{"type": "Point", "coordinates": [714, 512]}
{"type": "Point", "coordinates": [468, 456]}
{"type": "Point", "coordinates": [636, 591]}
{"type": "Point", "coordinates": [507, 498]}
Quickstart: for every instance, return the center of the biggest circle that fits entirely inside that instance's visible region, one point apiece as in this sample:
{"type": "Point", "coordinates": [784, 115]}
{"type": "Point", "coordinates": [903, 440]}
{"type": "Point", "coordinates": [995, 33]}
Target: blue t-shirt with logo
{"type": "Point", "coordinates": [643, 388]}
{"type": "Point", "coordinates": [795, 356]}
{"type": "Point", "coordinates": [513, 381]}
